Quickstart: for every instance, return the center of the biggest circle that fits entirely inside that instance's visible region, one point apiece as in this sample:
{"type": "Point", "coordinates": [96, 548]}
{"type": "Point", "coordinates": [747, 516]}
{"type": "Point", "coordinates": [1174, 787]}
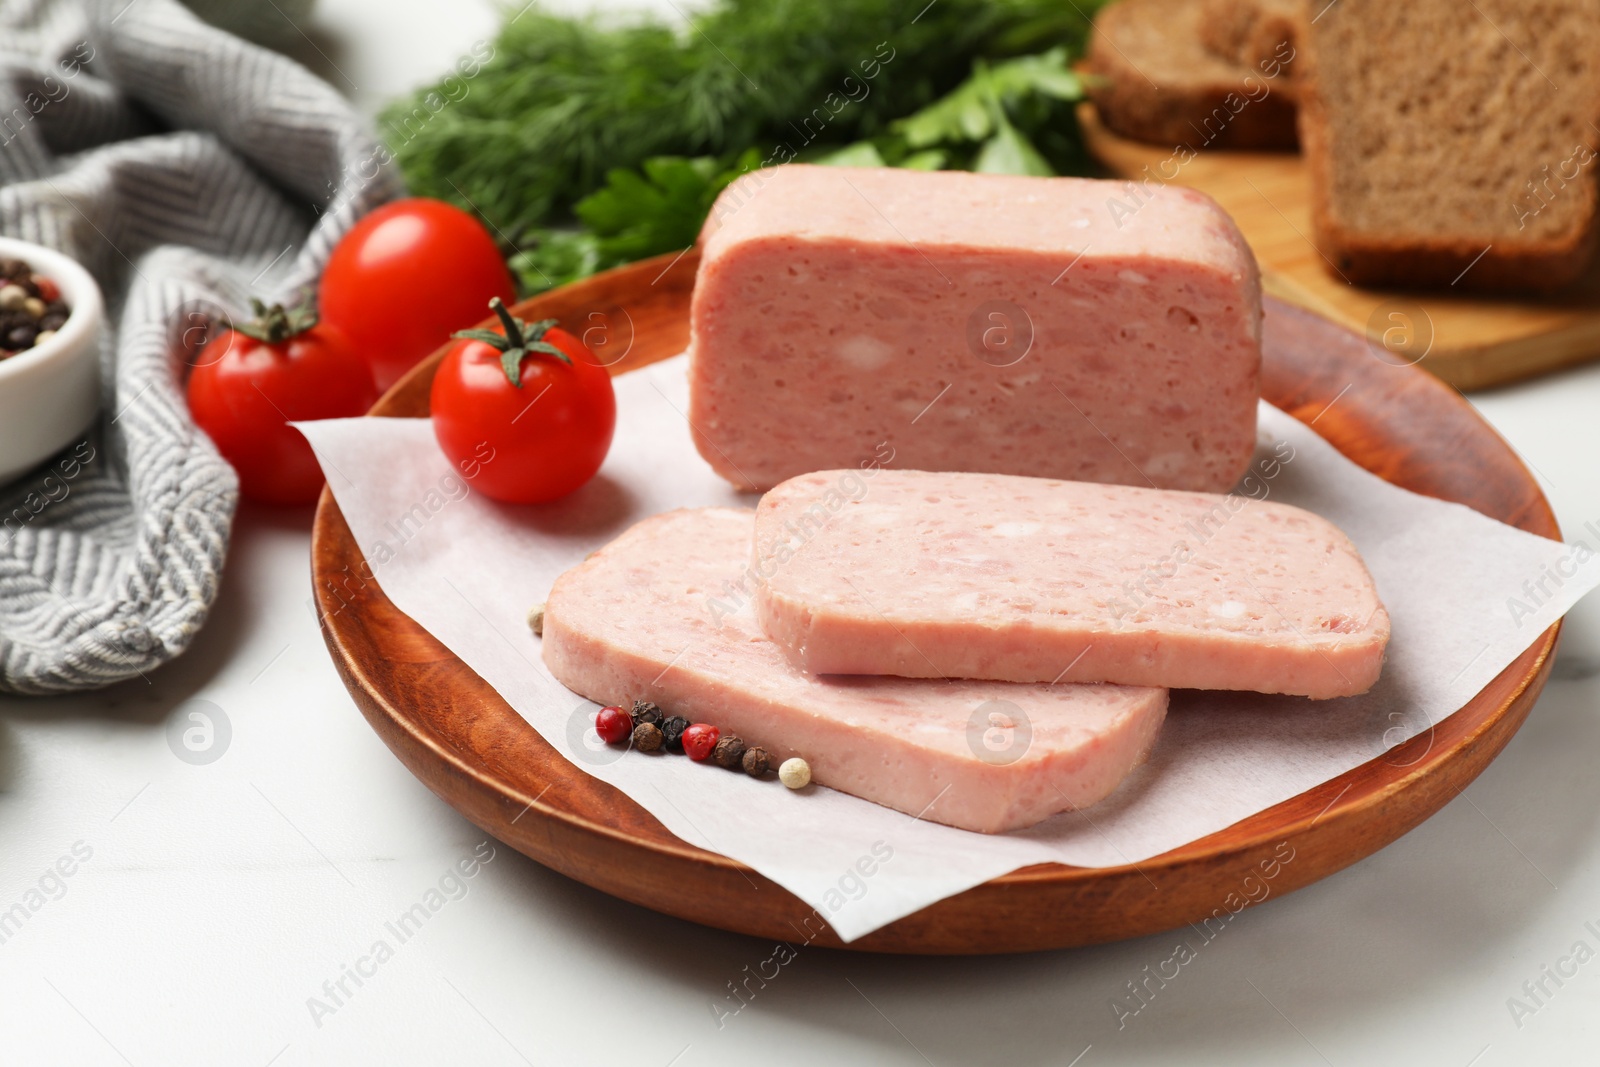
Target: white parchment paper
{"type": "Point", "coordinates": [1466, 595]}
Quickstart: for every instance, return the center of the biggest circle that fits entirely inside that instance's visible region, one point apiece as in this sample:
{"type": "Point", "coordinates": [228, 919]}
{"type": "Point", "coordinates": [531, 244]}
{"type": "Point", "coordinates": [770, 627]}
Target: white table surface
{"type": "Point", "coordinates": [217, 899]}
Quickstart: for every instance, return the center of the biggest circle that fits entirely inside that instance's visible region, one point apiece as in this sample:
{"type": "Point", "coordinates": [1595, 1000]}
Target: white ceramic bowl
{"type": "Point", "coordinates": [49, 394]}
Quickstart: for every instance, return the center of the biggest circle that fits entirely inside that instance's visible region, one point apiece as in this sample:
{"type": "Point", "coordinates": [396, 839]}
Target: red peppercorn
{"type": "Point", "coordinates": [49, 291]}
{"type": "Point", "coordinates": [699, 740]}
{"type": "Point", "coordinates": [613, 725]}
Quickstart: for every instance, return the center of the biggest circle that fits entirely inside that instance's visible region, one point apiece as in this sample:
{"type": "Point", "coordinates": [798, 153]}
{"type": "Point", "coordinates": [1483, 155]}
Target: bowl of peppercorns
{"type": "Point", "coordinates": [51, 317]}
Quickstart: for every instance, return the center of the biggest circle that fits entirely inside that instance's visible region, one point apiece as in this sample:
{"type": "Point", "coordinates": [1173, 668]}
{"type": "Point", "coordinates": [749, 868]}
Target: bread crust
{"type": "Point", "coordinates": [1250, 32]}
{"type": "Point", "coordinates": [1219, 109]}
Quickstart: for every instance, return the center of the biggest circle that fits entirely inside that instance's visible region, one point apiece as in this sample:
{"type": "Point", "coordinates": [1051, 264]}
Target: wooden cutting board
{"type": "Point", "coordinates": [1471, 340]}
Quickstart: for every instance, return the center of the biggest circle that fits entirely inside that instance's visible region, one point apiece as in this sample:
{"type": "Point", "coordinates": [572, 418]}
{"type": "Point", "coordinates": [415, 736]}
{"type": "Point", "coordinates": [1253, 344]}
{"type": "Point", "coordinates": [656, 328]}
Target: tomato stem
{"type": "Point", "coordinates": [513, 327]}
{"type": "Point", "coordinates": [521, 339]}
{"type": "Point", "coordinates": [275, 325]}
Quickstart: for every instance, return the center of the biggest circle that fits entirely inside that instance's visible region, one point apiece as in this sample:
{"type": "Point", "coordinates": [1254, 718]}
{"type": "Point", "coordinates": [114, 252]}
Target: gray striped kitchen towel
{"type": "Point", "coordinates": [186, 169]}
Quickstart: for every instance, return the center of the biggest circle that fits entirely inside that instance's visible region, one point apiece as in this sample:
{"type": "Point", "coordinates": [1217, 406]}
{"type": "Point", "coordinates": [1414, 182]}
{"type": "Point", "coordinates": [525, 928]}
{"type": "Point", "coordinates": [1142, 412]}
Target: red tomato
{"type": "Point", "coordinates": [244, 390]}
{"type": "Point", "coordinates": [533, 441]}
{"type": "Point", "coordinates": [407, 275]}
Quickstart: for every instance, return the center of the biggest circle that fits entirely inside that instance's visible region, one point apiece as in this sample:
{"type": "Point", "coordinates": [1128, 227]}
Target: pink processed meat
{"type": "Point", "coordinates": [639, 620]}
{"type": "Point", "coordinates": [1027, 580]}
{"type": "Point", "coordinates": [1058, 327]}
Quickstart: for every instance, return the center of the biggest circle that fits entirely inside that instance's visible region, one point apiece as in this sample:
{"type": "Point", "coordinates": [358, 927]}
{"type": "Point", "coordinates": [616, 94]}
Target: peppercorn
{"type": "Point", "coordinates": [647, 737]}
{"type": "Point", "coordinates": [536, 620]}
{"type": "Point", "coordinates": [672, 733]}
{"type": "Point", "coordinates": [612, 725]}
{"type": "Point", "coordinates": [795, 773]}
{"type": "Point", "coordinates": [728, 753]}
{"type": "Point", "coordinates": [699, 740]}
{"type": "Point", "coordinates": [756, 761]}
{"type": "Point", "coordinates": [647, 711]}
{"type": "Point", "coordinates": [31, 308]}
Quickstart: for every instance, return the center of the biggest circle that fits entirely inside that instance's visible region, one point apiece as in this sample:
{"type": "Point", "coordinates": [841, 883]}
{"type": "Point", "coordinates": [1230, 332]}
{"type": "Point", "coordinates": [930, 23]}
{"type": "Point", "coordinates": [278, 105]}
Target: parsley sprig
{"type": "Point", "coordinates": [524, 131]}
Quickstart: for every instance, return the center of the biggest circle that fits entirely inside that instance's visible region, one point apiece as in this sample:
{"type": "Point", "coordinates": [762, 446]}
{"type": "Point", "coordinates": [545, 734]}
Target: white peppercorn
{"type": "Point", "coordinates": [795, 773]}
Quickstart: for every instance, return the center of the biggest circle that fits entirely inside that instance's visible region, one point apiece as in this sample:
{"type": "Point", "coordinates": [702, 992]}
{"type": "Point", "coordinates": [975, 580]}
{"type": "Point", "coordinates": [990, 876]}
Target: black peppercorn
{"type": "Point", "coordinates": [53, 320]}
{"type": "Point", "coordinates": [21, 337]}
{"type": "Point", "coordinates": [646, 711]}
{"type": "Point", "coordinates": [646, 737]}
{"type": "Point", "coordinates": [729, 752]}
{"type": "Point", "coordinates": [672, 733]}
{"type": "Point", "coordinates": [756, 762]}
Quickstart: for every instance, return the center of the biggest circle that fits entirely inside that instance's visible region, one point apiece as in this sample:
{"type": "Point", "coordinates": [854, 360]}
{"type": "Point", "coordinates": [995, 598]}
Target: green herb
{"type": "Point", "coordinates": [636, 214]}
{"type": "Point", "coordinates": [860, 154]}
{"type": "Point", "coordinates": [988, 123]}
{"type": "Point", "coordinates": [982, 115]}
{"type": "Point", "coordinates": [564, 102]}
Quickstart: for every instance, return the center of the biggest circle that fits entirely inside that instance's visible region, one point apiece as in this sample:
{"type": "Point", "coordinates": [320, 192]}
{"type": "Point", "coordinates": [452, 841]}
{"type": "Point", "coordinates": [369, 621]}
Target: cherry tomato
{"type": "Point", "coordinates": [532, 438]}
{"type": "Point", "coordinates": [251, 381]}
{"type": "Point", "coordinates": [405, 276]}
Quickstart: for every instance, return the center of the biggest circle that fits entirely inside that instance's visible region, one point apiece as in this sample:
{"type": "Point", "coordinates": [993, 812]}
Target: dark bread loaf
{"type": "Point", "coordinates": [1252, 33]}
{"type": "Point", "coordinates": [1452, 143]}
{"type": "Point", "coordinates": [1158, 82]}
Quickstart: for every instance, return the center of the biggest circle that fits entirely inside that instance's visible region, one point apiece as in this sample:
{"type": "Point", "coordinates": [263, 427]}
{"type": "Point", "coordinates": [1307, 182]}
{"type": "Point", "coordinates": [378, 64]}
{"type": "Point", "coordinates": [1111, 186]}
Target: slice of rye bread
{"type": "Point", "coordinates": [1453, 143]}
{"type": "Point", "coordinates": [1156, 81]}
{"type": "Point", "coordinates": [1258, 35]}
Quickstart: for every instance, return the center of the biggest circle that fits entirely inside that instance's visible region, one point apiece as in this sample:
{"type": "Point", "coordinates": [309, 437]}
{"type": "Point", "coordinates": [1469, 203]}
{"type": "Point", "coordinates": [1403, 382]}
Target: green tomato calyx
{"type": "Point", "coordinates": [520, 339]}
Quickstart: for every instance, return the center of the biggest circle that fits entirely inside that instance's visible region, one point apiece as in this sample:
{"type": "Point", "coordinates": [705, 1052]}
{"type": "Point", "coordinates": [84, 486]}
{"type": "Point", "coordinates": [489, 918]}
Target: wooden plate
{"type": "Point", "coordinates": [1472, 340]}
{"type": "Point", "coordinates": [455, 733]}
